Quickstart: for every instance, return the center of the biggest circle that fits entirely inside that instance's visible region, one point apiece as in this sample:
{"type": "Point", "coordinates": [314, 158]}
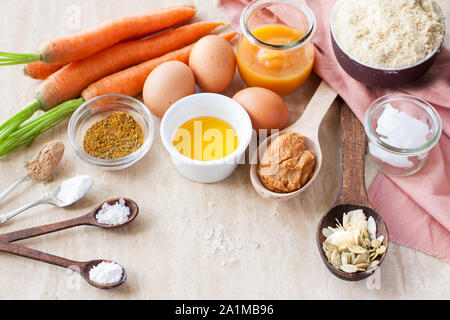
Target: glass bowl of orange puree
{"type": "Point", "coordinates": [275, 50]}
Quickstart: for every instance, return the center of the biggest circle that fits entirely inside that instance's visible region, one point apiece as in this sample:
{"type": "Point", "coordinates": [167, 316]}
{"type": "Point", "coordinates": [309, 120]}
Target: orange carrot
{"type": "Point", "coordinates": [84, 44]}
{"type": "Point", "coordinates": [70, 81]}
{"type": "Point", "coordinates": [131, 81]}
{"type": "Point", "coordinates": [40, 70]}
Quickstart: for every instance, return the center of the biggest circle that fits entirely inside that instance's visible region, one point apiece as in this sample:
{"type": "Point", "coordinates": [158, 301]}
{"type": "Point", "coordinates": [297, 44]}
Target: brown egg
{"type": "Point", "coordinates": [167, 84]}
{"type": "Point", "coordinates": [266, 108]}
{"type": "Point", "coordinates": [213, 62]}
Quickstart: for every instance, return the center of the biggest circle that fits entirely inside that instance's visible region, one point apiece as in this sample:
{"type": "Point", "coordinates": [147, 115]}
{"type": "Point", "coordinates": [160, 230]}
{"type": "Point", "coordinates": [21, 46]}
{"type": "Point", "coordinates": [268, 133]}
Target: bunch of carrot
{"type": "Point", "coordinates": [100, 61]}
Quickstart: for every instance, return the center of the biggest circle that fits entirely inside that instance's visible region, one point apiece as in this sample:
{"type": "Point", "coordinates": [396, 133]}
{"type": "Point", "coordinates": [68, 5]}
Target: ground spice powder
{"type": "Point", "coordinates": [116, 136]}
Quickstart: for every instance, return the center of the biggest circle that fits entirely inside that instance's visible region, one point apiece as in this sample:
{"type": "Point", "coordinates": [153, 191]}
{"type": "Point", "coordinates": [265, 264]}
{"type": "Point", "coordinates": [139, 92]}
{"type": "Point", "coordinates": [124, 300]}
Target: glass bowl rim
{"type": "Point", "coordinates": [420, 103]}
{"type": "Point", "coordinates": [74, 120]}
{"type": "Point", "coordinates": [282, 47]}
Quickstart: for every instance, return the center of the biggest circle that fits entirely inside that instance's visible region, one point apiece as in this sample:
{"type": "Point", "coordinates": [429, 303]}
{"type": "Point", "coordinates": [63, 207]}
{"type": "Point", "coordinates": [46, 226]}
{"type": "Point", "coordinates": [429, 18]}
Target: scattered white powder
{"type": "Point", "coordinates": [114, 215]}
{"type": "Point", "coordinates": [73, 189]}
{"type": "Point", "coordinates": [388, 33]}
{"type": "Point", "coordinates": [222, 243]}
{"type": "Point", "coordinates": [106, 273]}
{"type": "Point", "coordinates": [400, 130]}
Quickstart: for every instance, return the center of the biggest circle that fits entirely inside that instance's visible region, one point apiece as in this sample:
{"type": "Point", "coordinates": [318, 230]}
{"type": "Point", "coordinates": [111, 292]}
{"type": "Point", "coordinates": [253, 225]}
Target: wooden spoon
{"type": "Point", "coordinates": [82, 268]}
{"type": "Point", "coordinates": [353, 195]}
{"type": "Point", "coordinates": [308, 126]}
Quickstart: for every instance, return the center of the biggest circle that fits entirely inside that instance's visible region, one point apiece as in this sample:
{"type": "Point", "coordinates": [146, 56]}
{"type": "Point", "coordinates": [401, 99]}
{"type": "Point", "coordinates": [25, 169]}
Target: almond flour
{"type": "Point", "coordinates": [388, 33]}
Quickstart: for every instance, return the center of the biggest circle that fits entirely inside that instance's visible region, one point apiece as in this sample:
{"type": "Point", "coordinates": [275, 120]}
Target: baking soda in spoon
{"type": "Point", "coordinates": [66, 194]}
{"type": "Point", "coordinates": [72, 190]}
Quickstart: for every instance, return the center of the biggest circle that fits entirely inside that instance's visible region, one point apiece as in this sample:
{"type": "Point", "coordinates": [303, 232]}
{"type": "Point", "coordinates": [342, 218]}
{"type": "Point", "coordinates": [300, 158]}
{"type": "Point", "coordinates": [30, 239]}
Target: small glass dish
{"type": "Point", "coordinates": [393, 160]}
{"type": "Point", "coordinates": [96, 110]}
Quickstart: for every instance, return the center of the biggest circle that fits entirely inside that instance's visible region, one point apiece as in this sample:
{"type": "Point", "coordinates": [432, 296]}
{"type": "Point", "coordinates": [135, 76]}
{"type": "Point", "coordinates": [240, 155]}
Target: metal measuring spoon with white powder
{"type": "Point", "coordinates": [67, 193]}
{"type": "Point", "coordinates": [42, 166]}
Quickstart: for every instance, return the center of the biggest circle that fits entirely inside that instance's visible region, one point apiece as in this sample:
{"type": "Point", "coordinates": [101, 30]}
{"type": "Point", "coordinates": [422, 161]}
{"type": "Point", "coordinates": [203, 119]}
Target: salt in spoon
{"type": "Point", "coordinates": [83, 268]}
{"type": "Point", "coordinates": [42, 166]}
{"type": "Point", "coordinates": [60, 197]}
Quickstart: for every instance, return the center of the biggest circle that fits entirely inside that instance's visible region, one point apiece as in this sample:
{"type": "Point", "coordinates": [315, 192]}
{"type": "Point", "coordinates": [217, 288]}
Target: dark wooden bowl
{"type": "Point", "coordinates": [329, 219]}
{"type": "Point", "coordinates": [380, 77]}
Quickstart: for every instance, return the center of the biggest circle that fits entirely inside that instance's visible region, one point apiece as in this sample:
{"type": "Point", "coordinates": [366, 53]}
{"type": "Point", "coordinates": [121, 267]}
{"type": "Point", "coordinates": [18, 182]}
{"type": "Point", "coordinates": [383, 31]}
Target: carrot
{"type": "Point", "coordinates": [131, 81]}
{"type": "Point", "coordinates": [70, 81]}
{"type": "Point", "coordinates": [40, 70]}
{"type": "Point", "coordinates": [81, 45]}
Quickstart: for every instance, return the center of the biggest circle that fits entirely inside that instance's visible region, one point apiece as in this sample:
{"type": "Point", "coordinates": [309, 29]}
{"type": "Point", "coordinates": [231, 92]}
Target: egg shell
{"type": "Point", "coordinates": [266, 108]}
{"type": "Point", "coordinates": [213, 62]}
{"type": "Point", "coordinates": [167, 84]}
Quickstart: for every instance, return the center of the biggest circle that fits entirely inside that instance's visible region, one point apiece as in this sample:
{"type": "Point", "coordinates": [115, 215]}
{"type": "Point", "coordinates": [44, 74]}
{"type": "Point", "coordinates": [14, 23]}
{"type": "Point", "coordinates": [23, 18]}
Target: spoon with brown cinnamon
{"type": "Point", "coordinates": [41, 167]}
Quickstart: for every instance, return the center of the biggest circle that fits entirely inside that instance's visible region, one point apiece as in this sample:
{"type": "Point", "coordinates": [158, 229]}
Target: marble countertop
{"type": "Point", "coordinates": [170, 251]}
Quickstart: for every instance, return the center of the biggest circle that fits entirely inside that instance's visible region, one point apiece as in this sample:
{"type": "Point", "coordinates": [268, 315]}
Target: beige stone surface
{"type": "Point", "coordinates": [167, 251]}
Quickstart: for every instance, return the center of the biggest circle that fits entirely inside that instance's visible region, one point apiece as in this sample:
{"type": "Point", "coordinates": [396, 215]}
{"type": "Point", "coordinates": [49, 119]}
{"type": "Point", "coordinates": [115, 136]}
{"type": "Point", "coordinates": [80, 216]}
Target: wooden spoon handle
{"type": "Point", "coordinates": [41, 256]}
{"type": "Point", "coordinates": [50, 228]}
{"type": "Point", "coordinates": [353, 160]}
{"type": "Point", "coordinates": [315, 111]}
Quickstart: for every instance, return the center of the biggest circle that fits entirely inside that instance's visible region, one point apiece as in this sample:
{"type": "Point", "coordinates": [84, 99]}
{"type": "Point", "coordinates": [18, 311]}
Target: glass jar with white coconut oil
{"type": "Point", "coordinates": [401, 131]}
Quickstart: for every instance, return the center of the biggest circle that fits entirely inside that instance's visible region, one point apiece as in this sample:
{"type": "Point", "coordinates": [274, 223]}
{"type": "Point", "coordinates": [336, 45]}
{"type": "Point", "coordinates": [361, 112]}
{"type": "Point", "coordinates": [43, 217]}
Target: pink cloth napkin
{"type": "Point", "coordinates": [416, 208]}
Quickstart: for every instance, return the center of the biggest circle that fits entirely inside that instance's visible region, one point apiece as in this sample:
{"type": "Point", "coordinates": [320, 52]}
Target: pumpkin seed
{"type": "Point", "coordinates": [345, 257]}
{"type": "Point", "coordinates": [328, 254]}
{"type": "Point", "coordinates": [326, 232]}
{"type": "Point", "coordinates": [363, 265]}
{"type": "Point", "coordinates": [352, 246]}
{"type": "Point", "coordinates": [336, 259]}
{"type": "Point", "coordinates": [329, 246]}
{"type": "Point", "coordinates": [356, 249]}
{"type": "Point", "coordinates": [349, 268]}
{"type": "Point", "coordinates": [361, 258]}
{"type": "Point", "coordinates": [375, 243]}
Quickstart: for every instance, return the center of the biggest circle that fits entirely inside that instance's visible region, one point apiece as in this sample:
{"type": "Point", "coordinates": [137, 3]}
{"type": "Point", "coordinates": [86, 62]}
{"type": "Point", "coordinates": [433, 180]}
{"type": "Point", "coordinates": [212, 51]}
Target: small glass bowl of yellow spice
{"type": "Point", "coordinates": [111, 132]}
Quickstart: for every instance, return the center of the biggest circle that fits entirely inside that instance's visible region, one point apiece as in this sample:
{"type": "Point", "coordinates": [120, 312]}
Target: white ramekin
{"type": "Point", "coordinates": [206, 105]}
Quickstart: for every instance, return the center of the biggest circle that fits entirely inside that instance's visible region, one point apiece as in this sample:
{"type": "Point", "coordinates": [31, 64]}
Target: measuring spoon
{"type": "Point", "coordinates": [50, 153]}
{"type": "Point", "coordinates": [81, 268]}
{"type": "Point", "coordinates": [13, 186]}
{"type": "Point", "coordinates": [308, 126]}
{"type": "Point", "coordinates": [54, 198]}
